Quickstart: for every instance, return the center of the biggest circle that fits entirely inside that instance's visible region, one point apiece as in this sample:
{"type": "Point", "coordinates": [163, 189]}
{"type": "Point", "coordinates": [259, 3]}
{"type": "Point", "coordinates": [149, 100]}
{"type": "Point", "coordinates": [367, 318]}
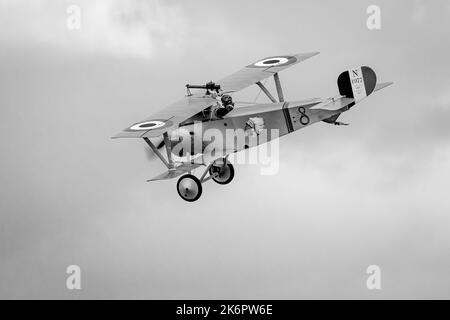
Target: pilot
{"type": "Point", "coordinates": [227, 106]}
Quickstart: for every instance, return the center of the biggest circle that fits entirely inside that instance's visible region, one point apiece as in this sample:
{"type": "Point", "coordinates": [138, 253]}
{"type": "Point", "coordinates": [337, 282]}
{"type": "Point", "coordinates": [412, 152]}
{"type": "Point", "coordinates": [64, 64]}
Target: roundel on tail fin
{"type": "Point", "coordinates": [357, 83]}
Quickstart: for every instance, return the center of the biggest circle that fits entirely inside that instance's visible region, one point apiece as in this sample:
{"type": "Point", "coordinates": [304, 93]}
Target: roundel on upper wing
{"type": "Point", "coordinates": [149, 125]}
{"type": "Point", "coordinates": [274, 62]}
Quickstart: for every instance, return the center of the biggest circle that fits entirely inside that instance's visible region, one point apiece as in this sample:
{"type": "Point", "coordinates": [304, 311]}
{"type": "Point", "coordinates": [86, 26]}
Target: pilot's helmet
{"type": "Point", "coordinates": [226, 100]}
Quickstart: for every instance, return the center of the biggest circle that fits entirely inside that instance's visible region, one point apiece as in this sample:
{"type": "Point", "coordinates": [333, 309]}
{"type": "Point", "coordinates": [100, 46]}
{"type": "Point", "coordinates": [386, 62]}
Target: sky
{"type": "Point", "coordinates": [344, 198]}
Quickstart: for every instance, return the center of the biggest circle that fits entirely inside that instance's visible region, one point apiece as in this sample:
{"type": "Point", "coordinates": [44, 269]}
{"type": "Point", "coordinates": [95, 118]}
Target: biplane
{"type": "Point", "coordinates": [187, 128]}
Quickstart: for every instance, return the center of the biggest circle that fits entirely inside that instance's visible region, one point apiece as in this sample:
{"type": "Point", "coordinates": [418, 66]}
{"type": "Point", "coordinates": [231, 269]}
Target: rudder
{"type": "Point", "coordinates": [357, 83]}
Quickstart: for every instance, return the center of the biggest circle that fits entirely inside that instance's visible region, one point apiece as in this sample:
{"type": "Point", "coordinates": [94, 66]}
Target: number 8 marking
{"type": "Point", "coordinates": [304, 119]}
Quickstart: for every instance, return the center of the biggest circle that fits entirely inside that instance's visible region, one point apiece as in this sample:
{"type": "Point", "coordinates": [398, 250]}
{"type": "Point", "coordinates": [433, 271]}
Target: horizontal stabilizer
{"type": "Point", "coordinates": [334, 104]}
{"type": "Point", "coordinates": [382, 85]}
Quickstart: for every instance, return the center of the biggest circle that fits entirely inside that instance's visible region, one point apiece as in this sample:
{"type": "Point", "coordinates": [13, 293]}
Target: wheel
{"type": "Point", "coordinates": [189, 188]}
{"type": "Point", "coordinates": [222, 174]}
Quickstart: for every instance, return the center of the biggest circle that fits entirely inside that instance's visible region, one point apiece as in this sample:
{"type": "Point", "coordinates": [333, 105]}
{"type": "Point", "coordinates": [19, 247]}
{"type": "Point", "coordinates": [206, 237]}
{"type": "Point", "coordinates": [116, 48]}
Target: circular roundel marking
{"type": "Point", "coordinates": [271, 62]}
{"type": "Point", "coordinates": [147, 125]}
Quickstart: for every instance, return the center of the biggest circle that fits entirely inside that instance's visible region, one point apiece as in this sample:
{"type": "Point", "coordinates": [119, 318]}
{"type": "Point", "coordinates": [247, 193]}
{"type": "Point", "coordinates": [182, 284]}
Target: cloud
{"type": "Point", "coordinates": [136, 28]}
{"type": "Point", "coordinates": [418, 12]}
{"type": "Point", "coordinates": [345, 197]}
{"type": "Point", "coordinates": [444, 99]}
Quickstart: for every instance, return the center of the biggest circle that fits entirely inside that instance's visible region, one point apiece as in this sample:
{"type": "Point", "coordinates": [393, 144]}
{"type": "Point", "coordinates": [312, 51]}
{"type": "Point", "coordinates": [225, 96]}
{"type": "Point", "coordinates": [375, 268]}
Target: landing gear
{"type": "Point", "coordinates": [189, 188]}
{"type": "Point", "coordinates": [222, 174]}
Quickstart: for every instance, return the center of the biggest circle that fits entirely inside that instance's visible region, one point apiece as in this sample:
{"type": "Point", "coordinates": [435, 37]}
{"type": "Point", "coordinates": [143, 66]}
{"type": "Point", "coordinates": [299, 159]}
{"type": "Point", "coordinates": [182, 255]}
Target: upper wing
{"type": "Point", "coordinates": [168, 118]}
{"type": "Point", "coordinates": [260, 70]}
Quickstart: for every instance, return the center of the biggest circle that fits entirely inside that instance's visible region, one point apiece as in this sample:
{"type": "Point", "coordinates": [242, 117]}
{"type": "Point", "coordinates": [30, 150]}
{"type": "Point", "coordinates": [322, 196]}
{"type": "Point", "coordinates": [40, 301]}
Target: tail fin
{"type": "Point", "coordinates": [357, 83]}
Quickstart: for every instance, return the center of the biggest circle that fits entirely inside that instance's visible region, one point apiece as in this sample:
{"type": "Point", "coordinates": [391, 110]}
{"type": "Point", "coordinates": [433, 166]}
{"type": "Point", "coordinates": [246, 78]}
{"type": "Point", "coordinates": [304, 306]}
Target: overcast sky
{"type": "Point", "coordinates": [372, 193]}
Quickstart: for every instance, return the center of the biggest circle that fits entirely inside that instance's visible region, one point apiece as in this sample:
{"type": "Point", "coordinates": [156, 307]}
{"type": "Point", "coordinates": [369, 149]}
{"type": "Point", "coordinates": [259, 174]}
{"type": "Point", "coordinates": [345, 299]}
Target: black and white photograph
{"type": "Point", "coordinates": [224, 151]}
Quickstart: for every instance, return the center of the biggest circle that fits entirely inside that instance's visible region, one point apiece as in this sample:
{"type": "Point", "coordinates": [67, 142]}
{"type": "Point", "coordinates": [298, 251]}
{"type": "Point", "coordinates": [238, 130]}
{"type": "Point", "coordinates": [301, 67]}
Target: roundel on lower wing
{"type": "Point", "coordinates": [149, 125]}
{"type": "Point", "coordinates": [274, 62]}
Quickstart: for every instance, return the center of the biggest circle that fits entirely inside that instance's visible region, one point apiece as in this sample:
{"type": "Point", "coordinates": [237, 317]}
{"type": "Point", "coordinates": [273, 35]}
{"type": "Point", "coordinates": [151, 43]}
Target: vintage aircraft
{"type": "Point", "coordinates": [182, 128]}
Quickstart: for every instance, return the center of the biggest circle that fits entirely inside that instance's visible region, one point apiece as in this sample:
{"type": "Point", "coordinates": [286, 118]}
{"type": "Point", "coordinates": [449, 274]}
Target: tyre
{"type": "Point", "coordinates": [222, 174]}
{"type": "Point", "coordinates": [189, 188]}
